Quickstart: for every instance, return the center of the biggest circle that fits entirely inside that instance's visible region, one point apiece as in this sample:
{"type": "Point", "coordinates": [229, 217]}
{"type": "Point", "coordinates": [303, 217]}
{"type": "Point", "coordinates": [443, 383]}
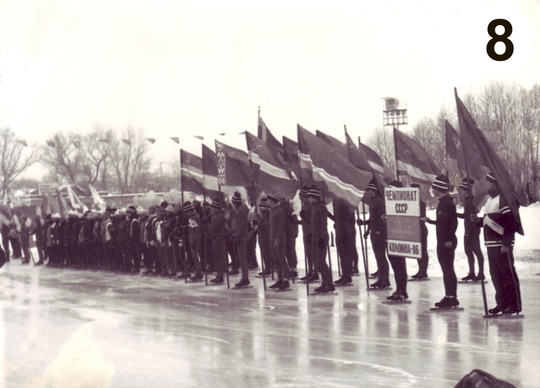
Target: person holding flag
{"type": "Point", "coordinates": [500, 227]}
{"type": "Point", "coordinates": [241, 236]}
{"type": "Point", "coordinates": [445, 226]}
{"type": "Point", "coordinates": [471, 239]}
{"type": "Point", "coordinates": [278, 243]}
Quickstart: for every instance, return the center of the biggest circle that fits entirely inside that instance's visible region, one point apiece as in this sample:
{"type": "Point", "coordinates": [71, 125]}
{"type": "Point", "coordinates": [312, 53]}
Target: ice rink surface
{"type": "Point", "coordinates": [74, 328]}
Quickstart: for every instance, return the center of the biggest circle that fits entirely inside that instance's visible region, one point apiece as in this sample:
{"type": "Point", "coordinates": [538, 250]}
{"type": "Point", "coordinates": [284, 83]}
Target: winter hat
{"type": "Point", "coordinates": [466, 184]}
{"type": "Point", "coordinates": [152, 209]}
{"type": "Point", "coordinates": [263, 202]}
{"type": "Point", "coordinates": [164, 204]}
{"type": "Point", "coordinates": [314, 193]}
{"type": "Point", "coordinates": [188, 207]}
{"type": "Point", "coordinates": [371, 185]}
{"type": "Point", "coordinates": [440, 183]}
{"type": "Point", "coordinates": [415, 185]}
{"type": "Point", "coordinates": [395, 184]}
{"type": "Point", "coordinates": [131, 210]}
{"type": "Point", "coordinates": [272, 198]}
{"type": "Point", "coordinates": [491, 178]}
{"type": "Point", "coordinates": [237, 198]}
{"type": "Point", "coordinates": [216, 204]}
{"type": "Point", "coordinates": [304, 191]}
{"type": "Point", "coordinates": [169, 208]}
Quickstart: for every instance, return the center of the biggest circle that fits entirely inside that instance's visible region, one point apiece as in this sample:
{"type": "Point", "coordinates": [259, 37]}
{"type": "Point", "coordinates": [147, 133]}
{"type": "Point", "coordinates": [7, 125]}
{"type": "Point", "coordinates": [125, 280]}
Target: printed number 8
{"type": "Point", "coordinates": [508, 45]}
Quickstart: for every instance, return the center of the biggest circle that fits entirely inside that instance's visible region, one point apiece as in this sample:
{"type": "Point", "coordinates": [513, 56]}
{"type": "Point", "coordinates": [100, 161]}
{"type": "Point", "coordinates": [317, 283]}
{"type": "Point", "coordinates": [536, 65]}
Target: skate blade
{"type": "Point", "coordinates": [283, 290]}
{"type": "Point", "coordinates": [240, 288]}
{"type": "Point", "coordinates": [419, 280]}
{"type": "Point", "coordinates": [406, 301]}
{"type": "Point", "coordinates": [344, 285]}
{"type": "Point", "coordinates": [323, 293]}
{"type": "Point", "coordinates": [379, 288]}
{"type": "Point", "coordinates": [453, 308]}
{"type": "Point", "coordinates": [471, 281]}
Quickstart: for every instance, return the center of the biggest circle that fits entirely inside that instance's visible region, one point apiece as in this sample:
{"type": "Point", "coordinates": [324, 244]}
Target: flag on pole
{"type": "Point", "coordinates": [413, 160]}
{"type": "Point", "coordinates": [265, 135]}
{"type": "Point", "coordinates": [232, 166]}
{"type": "Point", "coordinates": [376, 162]}
{"type": "Point", "coordinates": [474, 141]}
{"type": "Point", "coordinates": [191, 170]}
{"type": "Point", "coordinates": [290, 155]}
{"type": "Point", "coordinates": [268, 171]}
{"type": "Point", "coordinates": [209, 168]}
{"type": "Point", "coordinates": [98, 201]}
{"type": "Point", "coordinates": [76, 203]}
{"type": "Point", "coordinates": [455, 162]}
{"type": "Point", "coordinates": [63, 206]}
{"type": "Point", "coordinates": [321, 163]}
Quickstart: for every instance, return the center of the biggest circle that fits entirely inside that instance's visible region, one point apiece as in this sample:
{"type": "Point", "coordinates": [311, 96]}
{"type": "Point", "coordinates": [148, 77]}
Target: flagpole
{"type": "Point", "coordinates": [184, 262]}
{"type": "Point", "coordinates": [223, 203]}
{"type": "Point", "coordinates": [363, 240]}
{"type": "Point", "coordinates": [256, 205]}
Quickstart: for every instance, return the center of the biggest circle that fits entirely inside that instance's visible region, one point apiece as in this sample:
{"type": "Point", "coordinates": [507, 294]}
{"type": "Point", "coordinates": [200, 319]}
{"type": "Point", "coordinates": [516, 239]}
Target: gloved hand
{"type": "Point", "coordinates": [366, 234]}
{"type": "Point", "coordinates": [302, 213]}
{"type": "Point", "coordinates": [321, 243]}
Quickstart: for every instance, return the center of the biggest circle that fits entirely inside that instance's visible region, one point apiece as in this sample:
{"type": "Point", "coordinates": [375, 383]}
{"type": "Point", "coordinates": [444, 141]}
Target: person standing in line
{"type": "Point", "coordinates": [252, 241]}
{"type": "Point", "coordinates": [230, 222]}
{"type": "Point", "coordinates": [424, 261]}
{"type": "Point", "coordinates": [344, 233]}
{"type": "Point", "coordinates": [291, 233]}
{"type": "Point", "coordinates": [25, 241]}
{"type": "Point", "coordinates": [445, 226]}
{"type": "Point", "coordinates": [241, 236]}
{"type": "Point", "coordinates": [38, 237]}
{"type": "Point", "coordinates": [319, 242]}
{"type": "Point", "coordinates": [194, 239]}
{"type": "Point", "coordinates": [216, 231]}
{"type": "Point", "coordinates": [399, 266]}
{"type": "Point", "coordinates": [278, 243]}
{"type": "Point", "coordinates": [471, 239]}
{"type": "Point", "coordinates": [312, 275]}
{"type": "Point", "coordinates": [263, 236]}
{"type": "Point", "coordinates": [133, 253]}
{"type": "Point", "coordinates": [500, 228]}
{"type": "Point", "coordinates": [377, 229]}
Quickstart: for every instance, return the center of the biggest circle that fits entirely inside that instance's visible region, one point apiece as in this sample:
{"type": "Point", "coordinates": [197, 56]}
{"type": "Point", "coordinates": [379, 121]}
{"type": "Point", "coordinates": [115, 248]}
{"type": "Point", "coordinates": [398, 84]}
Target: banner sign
{"type": "Point", "coordinates": [403, 221]}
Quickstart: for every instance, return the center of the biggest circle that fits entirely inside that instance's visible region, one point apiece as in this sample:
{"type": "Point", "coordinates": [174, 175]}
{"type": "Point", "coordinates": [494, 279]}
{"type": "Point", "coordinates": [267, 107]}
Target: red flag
{"type": "Point", "coordinates": [320, 162]}
{"type": "Point", "coordinates": [265, 135]}
{"type": "Point", "coordinates": [475, 141]}
{"type": "Point", "coordinates": [413, 160]}
{"type": "Point", "coordinates": [454, 155]}
{"type": "Point", "coordinates": [290, 154]}
{"type": "Point", "coordinates": [209, 168]}
{"type": "Point", "coordinates": [376, 162]}
{"type": "Point", "coordinates": [191, 173]}
{"type": "Point", "coordinates": [233, 167]}
{"type": "Point", "coordinates": [268, 171]}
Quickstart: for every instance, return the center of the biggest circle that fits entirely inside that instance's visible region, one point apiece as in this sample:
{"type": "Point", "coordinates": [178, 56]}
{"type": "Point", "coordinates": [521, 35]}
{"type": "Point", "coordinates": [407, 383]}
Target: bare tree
{"type": "Point", "coordinates": [97, 149]}
{"type": "Point", "coordinates": [16, 157]}
{"type": "Point", "coordinates": [64, 157]}
{"type": "Point", "coordinates": [130, 158]}
{"type": "Point", "coordinates": [383, 144]}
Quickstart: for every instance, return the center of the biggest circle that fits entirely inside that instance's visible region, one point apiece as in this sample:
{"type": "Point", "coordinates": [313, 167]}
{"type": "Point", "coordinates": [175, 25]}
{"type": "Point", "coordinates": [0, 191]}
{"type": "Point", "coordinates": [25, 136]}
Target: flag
{"type": "Point", "coordinates": [474, 141]}
{"type": "Point", "coordinates": [233, 167]}
{"type": "Point", "coordinates": [290, 155]}
{"type": "Point", "coordinates": [268, 171]}
{"type": "Point", "coordinates": [175, 139]}
{"type": "Point", "coordinates": [127, 141]}
{"type": "Point", "coordinates": [413, 160]}
{"type": "Point", "coordinates": [265, 135]}
{"type": "Point", "coordinates": [455, 162]}
{"type": "Point", "coordinates": [376, 162]}
{"type": "Point", "coordinates": [51, 143]}
{"type": "Point", "coordinates": [191, 173]}
{"type": "Point", "coordinates": [151, 140]}
{"type": "Point", "coordinates": [63, 206]}
{"type": "Point", "coordinates": [76, 203]}
{"type": "Point", "coordinates": [98, 201]}
{"type": "Point", "coordinates": [209, 168]}
{"type": "Point", "coordinates": [320, 162]}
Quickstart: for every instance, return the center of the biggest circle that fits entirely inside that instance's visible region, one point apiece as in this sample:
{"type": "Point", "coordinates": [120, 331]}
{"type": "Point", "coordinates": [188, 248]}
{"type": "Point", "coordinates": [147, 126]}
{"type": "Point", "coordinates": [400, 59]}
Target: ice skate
{"type": "Point", "coordinates": [447, 303]}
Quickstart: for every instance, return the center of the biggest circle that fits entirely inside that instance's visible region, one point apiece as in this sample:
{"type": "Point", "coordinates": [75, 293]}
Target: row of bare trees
{"type": "Point", "coordinates": [105, 158]}
{"type": "Point", "coordinates": [509, 116]}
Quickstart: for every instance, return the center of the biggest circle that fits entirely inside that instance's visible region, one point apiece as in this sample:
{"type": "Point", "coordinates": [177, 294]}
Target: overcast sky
{"type": "Point", "coordinates": [185, 68]}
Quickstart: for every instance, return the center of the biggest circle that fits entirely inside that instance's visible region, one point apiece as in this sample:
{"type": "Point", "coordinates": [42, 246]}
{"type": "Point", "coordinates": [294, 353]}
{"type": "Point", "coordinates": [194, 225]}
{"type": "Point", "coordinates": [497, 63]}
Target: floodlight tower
{"type": "Point", "coordinates": [394, 116]}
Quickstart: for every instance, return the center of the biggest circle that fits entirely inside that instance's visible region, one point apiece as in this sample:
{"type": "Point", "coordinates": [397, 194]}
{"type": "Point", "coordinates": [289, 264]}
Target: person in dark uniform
{"type": "Point", "coordinates": [216, 232]}
{"type": "Point", "coordinates": [305, 215]}
{"type": "Point", "coordinates": [445, 226]}
{"type": "Point", "coordinates": [471, 239]}
{"type": "Point", "coordinates": [263, 236]}
{"type": "Point", "coordinates": [194, 239]}
{"type": "Point", "coordinates": [133, 252]}
{"type": "Point", "coordinates": [38, 237]}
{"type": "Point", "coordinates": [377, 230]}
{"type": "Point", "coordinates": [399, 266]}
{"type": "Point", "coordinates": [278, 243]}
{"type": "Point", "coordinates": [319, 239]}
{"type": "Point", "coordinates": [241, 236]}
{"type": "Point", "coordinates": [499, 233]}
{"type": "Point", "coordinates": [291, 233]}
{"type": "Point", "coordinates": [344, 226]}
{"type": "Point", "coordinates": [424, 261]}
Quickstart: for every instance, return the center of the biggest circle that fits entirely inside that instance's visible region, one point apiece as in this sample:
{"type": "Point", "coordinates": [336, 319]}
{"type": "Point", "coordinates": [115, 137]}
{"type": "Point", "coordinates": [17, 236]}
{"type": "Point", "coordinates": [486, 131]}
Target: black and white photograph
{"type": "Point", "coordinates": [269, 193]}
